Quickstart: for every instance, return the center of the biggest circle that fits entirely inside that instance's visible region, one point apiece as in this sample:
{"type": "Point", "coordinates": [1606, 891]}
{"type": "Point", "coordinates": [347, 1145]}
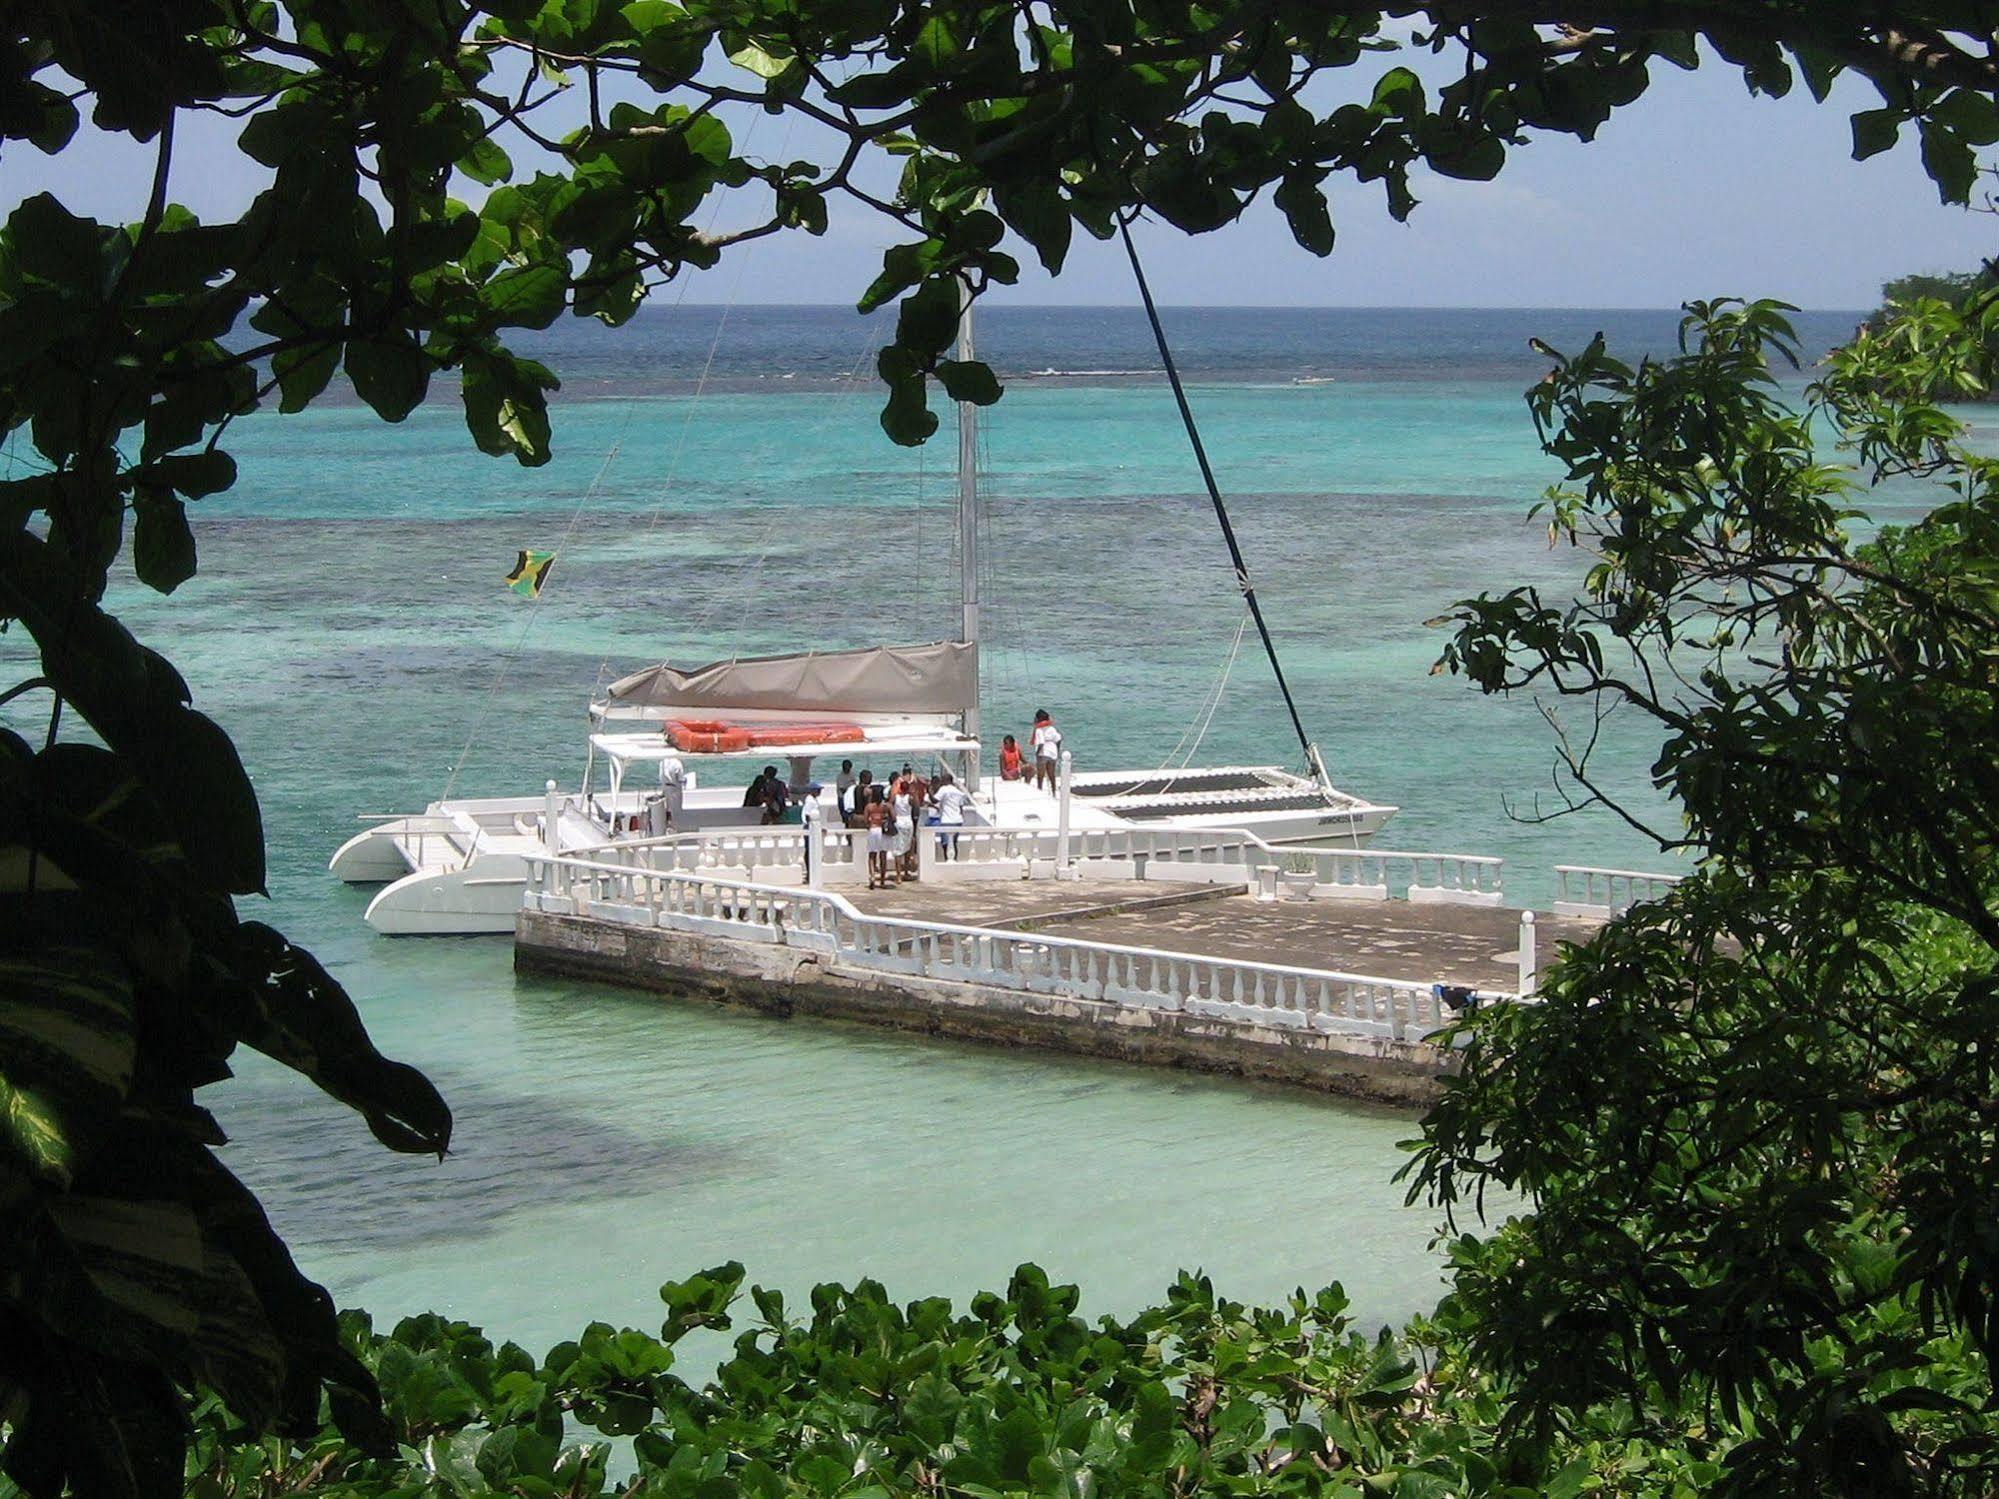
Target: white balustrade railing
{"type": "Point", "coordinates": [977, 852]}
{"type": "Point", "coordinates": [1589, 891]}
{"type": "Point", "coordinates": [1034, 962]}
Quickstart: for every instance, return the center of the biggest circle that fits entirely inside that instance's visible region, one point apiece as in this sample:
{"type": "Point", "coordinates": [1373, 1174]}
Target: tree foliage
{"type": "Point", "coordinates": [1756, 1120]}
{"type": "Point", "coordinates": [1955, 288]}
{"type": "Point", "coordinates": [432, 178]}
{"type": "Point", "coordinates": [857, 1397]}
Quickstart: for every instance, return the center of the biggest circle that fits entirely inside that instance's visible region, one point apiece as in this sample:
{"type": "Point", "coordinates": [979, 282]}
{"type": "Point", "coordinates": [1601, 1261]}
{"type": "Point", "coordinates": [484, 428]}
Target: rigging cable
{"type": "Point", "coordinates": [1214, 490]}
{"type": "Point", "coordinates": [1197, 726]}
{"type": "Point", "coordinates": [1200, 732]}
{"type": "Point", "coordinates": [569, 531]}
{"type": "Point", "coordinates": [520, 639]}
{"type": "Point", "coordinates": [707, 367]}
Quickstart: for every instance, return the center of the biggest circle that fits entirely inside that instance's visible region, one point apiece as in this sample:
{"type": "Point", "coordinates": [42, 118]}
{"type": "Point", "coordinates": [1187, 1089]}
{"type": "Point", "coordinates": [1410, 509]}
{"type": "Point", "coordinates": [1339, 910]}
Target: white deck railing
{"type": "Point", "coordinates": [1589, 891]}
{"type": "Point", "coordinates": [1031, 962]}
{"type": "Point", "coordinates": [777, 855]}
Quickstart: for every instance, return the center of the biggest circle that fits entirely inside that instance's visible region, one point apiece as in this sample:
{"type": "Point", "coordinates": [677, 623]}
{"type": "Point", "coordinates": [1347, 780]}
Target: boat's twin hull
{"type": "Point", "coordinates": [483, 897]}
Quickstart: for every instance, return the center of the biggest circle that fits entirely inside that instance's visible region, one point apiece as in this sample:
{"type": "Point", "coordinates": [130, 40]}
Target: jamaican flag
{"type": "Point", "coordinates": [530, 572]}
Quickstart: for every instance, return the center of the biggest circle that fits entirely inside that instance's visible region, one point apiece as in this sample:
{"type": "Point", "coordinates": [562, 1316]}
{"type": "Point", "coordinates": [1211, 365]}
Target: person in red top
{"type": "Point", "coordinates": [1009, 759]}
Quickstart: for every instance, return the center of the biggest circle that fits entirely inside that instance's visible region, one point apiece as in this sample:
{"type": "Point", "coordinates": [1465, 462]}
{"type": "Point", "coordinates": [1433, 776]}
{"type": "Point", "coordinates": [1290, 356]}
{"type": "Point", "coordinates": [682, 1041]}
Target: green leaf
{"type": "Point", "coordinates": [1819, 67]}
{"type": "Point", "coordinates": [51, 244]}
{"type": "Point", "coordinates": [32, 1133]}
{"type": "Point", "coordinates": [1035, 211]}
{"type": "Point", "coordinates": [766, 57]}
{"type": "Point", "coordinates": [1305, 210]}
{"type": "Point", "coordinates": [968, 380]}
{"type": "Point", "coordinates": [52, 120]}
{"type": "Point", "coordinates": [1952, 164]}
{"type": "Point", "coordinates": [882, 90]}
{"type": "Point", "coordinates": [68, 1048]}
{"type": "Point", "coordinates": [1153, 1427]}
{"type": "Point", "coordinates": [611, 294]}
{"type": "Point", "coordinates": [162, 542]}
{"type": "Point", "coordinates": [485, 163]}
{"type": "Point", "coordinates": [283, 1003]}
{"type": "Point", "coordinates": [1968, 114]}
{"type": "Point", "coordinates": [802, 207]}
{"type": "Point", "coordinates": [506, 405]}
{"type": "Point", "coordinates": [906, 417]}
{"type": "Point", "coordinates": [390, 374]}
{"type": "Point", "coordinates": [937, 43]}
{"type": "Point", "coordinates": [195, 475]}
{"type": "Point", "coordinates": [1476, 158]}
{"type": "Point", "coordinates": [928, 318]}
{"type": "Point", "coordinates": [303, 373]}
{"type": "Point", "coordinates": [1399, 92]}
{"type": "Point", "coordinates": [529, 296]}
{"type": "Point", "coordinates": [138, 704]}
{"type": "Point", "coordinates": [1874, 131]}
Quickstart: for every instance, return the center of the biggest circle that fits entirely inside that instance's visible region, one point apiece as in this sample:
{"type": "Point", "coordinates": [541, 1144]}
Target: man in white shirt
{"type": "Point", "coordinates": [1045, 742]}
{"type": "Point", "coordinates": [663, 811]}
{"type": "Point", "coordinates": [950, 799]}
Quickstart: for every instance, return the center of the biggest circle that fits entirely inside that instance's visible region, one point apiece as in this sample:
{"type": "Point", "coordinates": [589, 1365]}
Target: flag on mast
{"type": "Point", "coordinates": [530, 572]}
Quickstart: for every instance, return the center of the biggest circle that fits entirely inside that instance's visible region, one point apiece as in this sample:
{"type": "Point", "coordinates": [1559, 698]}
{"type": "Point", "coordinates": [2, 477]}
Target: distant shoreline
{"type": "Point", "coordinates": [1000, 306]}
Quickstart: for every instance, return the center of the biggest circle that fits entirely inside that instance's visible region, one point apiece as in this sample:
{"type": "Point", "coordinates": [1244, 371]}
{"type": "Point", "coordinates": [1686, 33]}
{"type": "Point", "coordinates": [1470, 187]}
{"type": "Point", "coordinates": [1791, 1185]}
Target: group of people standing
{"type": "Point", "coordinates": [1044, 753]}
{"type": "Point", "coordinates": [888, 810]}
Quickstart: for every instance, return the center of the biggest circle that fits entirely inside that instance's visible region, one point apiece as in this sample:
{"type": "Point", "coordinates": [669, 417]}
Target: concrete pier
{"type": "Point", "coordinates": [1327, 994]}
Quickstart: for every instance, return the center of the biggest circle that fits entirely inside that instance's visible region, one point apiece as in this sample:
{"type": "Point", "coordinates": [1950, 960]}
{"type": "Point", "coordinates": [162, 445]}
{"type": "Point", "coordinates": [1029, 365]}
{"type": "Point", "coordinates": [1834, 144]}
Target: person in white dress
{"type": "Point", "coordinates": [811, 818]}
{"type": "Point", "coordinates": [905, 831]}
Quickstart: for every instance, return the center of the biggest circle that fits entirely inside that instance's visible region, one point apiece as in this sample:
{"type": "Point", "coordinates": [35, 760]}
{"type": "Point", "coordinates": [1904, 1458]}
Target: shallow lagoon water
{"type": "Point", "coordinates": [349, 629]}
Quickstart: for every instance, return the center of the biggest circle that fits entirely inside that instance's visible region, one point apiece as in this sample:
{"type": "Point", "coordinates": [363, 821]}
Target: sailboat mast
{"type": "Point", "coordinates": [968, 517]}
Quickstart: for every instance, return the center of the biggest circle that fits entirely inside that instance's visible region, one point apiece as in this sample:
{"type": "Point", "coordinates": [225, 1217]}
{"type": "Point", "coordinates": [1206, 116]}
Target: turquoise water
{"type": "Point", "coordinates": [349, 629]}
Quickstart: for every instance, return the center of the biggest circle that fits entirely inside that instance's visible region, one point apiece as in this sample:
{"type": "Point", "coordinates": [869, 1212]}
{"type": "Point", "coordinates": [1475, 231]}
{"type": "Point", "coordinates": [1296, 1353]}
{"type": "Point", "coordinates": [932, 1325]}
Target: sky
{"type": "Point", "coordinates": [1697, 190]}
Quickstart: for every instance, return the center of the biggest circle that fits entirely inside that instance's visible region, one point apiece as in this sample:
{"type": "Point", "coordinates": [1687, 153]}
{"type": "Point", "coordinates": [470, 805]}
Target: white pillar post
{"type": "Point", "coordinates": [1062, 869]}
{"type": "Point", "coordinates": [551, 819]}
{"type": "Point", "coordinates": [1530, 956]}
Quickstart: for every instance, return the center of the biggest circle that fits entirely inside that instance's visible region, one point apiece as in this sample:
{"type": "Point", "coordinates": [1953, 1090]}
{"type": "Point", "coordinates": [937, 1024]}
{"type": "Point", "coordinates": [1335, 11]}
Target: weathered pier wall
{"type": "Point", "coordinates": [780, 980]}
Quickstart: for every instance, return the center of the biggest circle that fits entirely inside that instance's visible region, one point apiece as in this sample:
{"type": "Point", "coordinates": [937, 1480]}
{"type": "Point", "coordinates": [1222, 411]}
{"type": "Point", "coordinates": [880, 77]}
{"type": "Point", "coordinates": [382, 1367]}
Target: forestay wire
{"type": "Point", "coordinates": [534, 608]}
{"type": "Point", "coordinates": [520, 639]}
{"type": "Point", "coordinates": [1214, 490]}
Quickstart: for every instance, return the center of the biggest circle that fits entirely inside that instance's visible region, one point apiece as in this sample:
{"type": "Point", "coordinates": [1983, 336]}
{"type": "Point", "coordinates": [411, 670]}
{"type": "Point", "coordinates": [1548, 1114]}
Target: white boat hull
{"type": "Point", "coordinates": [372, 857]}
{"type": "Point", "coordinates": [460, 868]}
{"type": "Point", "coordinates": [484, 897]}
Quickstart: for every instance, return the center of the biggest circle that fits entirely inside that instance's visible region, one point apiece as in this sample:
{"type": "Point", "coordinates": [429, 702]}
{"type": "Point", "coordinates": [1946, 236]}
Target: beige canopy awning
{"type": "Point", "coordinates": [939, 678]}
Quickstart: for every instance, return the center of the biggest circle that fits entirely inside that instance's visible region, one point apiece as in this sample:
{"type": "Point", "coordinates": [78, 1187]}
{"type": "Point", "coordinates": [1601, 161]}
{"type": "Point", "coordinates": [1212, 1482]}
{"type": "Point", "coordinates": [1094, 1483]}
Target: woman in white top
{"type": "Point", "coordinates": [905, 831]}
{"type": "Point", "coordinates": [1045, 742]}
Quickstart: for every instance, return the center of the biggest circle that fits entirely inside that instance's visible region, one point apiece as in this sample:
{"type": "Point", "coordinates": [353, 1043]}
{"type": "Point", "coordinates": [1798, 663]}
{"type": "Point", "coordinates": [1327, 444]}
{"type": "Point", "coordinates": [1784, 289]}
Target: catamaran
{"type": "Point", "coordinates": [670, 746]}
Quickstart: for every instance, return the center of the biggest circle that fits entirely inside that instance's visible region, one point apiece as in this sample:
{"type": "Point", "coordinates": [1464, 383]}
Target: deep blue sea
{"type": "Point", "coordinates": [721, 486]}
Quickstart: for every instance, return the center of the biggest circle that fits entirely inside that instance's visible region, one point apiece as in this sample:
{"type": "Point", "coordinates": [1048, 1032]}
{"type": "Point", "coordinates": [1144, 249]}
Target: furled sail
{"type": "Point", "coordinates": [939, 678]}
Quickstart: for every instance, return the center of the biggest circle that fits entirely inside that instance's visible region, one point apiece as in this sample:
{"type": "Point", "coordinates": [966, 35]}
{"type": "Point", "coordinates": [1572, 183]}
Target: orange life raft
{"type": "Point", "coordinates": [707, 736]}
